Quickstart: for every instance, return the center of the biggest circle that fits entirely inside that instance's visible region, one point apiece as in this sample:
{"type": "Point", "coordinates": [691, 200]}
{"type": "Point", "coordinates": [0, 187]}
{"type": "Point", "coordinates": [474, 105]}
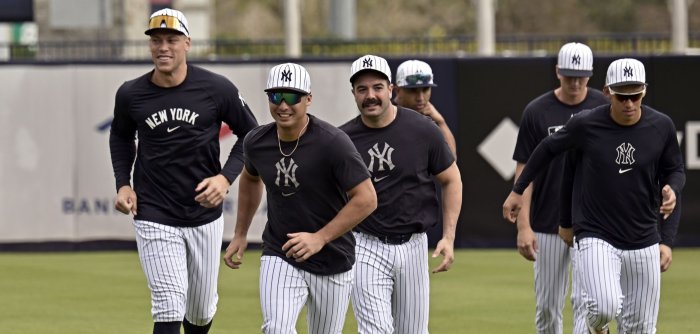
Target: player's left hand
{"type": "Point", "coordinates": [302, 245]}
{"type": "Point", "coordinates": [211, 191]}
{"type": "Point", "coordinates": [668, 201]}
{"type": "Point", "coordinates": [511, 207]}
{"type": "Point", "coordinates": [446, 249]}
{"type": "Point", "coordinates": [666, 257]}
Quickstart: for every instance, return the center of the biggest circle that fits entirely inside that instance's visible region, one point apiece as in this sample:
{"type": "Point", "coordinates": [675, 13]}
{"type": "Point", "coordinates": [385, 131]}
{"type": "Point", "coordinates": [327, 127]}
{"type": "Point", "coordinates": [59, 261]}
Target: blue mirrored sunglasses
{"type": "Point", "coordinates": [418, 79]}
{"type": "Point", "coordinates": [291, 98]}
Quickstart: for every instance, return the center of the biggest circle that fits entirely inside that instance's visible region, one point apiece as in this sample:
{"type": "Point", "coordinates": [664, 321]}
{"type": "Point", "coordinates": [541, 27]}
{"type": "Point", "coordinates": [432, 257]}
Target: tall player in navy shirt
{"type": "Point", "coordinates": [177, 109]}
{"type": "Point", "coordinates": [628, 170]}
{"type": "Point", "coordinates": [538, 221]}
{"type": "Point", "coordinates": [318, 189]}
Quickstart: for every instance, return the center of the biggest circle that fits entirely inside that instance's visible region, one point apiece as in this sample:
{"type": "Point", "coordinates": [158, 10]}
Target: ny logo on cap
{"type": "Point", "coordinates": [627, 72]}
{"type": "Point", "coordinates": [286, 75]}
{"type": "Point", "coordinates": [367, 62]}
{"type": "Point", "coordinates": [576, 60]}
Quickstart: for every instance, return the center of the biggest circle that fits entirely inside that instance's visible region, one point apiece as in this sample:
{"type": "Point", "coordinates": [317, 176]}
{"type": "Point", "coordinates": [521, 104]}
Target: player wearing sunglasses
{"type": "Point", "coordinates": [538, 224]}
{"type": "Point", "coordinates": [626, 176]}
{"type": "Point", "coordinates": [318, 189]}
{"type": "Point", "coordinates": [175, 111]}
{"type": "Point", "coordinates": [414, 87]}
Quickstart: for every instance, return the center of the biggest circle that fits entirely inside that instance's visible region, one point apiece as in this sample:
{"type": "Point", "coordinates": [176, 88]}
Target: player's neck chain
{"type": "Point", "coordinates": [279, 142]}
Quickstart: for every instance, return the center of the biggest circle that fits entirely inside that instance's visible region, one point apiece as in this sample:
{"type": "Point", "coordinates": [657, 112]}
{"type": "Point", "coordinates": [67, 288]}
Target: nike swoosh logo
{"type": "Point", "coordinates": [173, 129]}
{"type": "Point", "coordinates": [621, 171]}
{"type": "Point", "coordinates": [377, 179]}
{"type": "Point", "coordinates": [287, 195]}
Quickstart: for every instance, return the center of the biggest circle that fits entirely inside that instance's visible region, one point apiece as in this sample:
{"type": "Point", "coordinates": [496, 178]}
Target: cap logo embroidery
{"type": "Point", "coordinates": [367, 62]}
{"type": "Point", "coordinates": [286, 75]}
{"type": "Point", "coordinates": [576, 60]}
{"type": "Point", "coordinates": [627, 72]}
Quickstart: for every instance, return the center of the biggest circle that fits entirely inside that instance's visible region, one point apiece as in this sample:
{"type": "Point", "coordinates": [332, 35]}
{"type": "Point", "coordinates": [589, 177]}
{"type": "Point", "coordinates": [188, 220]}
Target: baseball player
{"type": "Point", "coordinates": [625, 152]}
{"type": "Point", "coordinates": [403, 151]}
{"type": "Point", "coordinates": [538, 221]}
{"type": "Point", "coordinates": [318, 189]}
{"type": "Point", "coordinates": [414, 86]}
{"type": "Point", "coordinates": [176, 110]}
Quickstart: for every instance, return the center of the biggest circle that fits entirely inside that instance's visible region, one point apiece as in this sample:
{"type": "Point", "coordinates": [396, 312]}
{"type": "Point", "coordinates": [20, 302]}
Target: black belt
{"type": "Point", "coordinates": [394, 239]}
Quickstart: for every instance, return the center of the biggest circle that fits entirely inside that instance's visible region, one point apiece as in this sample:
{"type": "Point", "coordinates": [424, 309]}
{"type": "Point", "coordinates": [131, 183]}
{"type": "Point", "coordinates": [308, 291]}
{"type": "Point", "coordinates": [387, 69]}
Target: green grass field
{"type": "Point", "coordinates": [487, 291]}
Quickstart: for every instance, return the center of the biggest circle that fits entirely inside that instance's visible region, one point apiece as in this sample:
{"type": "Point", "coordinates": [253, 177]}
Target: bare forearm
{"type": "Point", "coordinates": [523, 221]}
{"type": "Point", "coordinates": [249, 197]}
{"type": "Point", "coordinates": [449, 137]}
{"type": "Point", "coordinates": [451, 182]}
{"type": "Point", "coordinates": [363, 200]}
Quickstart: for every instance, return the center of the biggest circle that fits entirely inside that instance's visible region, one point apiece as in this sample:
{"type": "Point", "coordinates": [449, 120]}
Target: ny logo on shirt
{"type": "Point", "coordinates": [625, 154]}
{"type": "Point", "coordinates": [383, 156]}
{"type": "Point", "coordinates": [289, 172]}
{"type": "Point", "coordinates": [553, 129]}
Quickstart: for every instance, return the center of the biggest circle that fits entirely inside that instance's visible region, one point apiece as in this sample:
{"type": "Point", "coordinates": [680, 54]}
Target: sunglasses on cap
{"type": "Point", "coordinates": [167, 22]}
{"type": "Point", "coordinates": [418, 79]}
{"type": "Point", "coordinates": [291, 98]}
{"type": "Point", "coordinates": [622, 97]}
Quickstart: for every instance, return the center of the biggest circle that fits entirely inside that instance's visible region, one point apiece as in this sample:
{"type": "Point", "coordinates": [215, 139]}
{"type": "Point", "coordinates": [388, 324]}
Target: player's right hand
{"type": "Point", "coordinates": [512, 206]}
{"type": "Point", "coordinates": [527, 243]}
{"type": "Point", "coordinates": [126, 200]}
{"type": "Point", "coordinates": [237, 247]}
{"type": "Point", "coordinates": [668, 198]}
{"type": "Point", "coordinates": [567, 234]}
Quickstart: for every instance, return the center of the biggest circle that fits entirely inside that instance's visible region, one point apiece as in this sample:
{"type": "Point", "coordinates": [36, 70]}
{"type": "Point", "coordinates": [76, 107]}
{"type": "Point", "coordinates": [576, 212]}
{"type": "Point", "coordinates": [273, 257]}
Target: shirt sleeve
{"type": "Point", "coordinates": [548, 148]}
{"type": "Point", "coordinates": [527, 138]}
{"type": "Point", "coordinates": [122, 145]}
{"type": "Point", "coordinates": [672, 172]}
{"type": "Point", "coordinates": [567, 187]}
{"type": "Point", "coordinates": [348, 167]}
{"type": "Point", "coordinates": [240, 119]}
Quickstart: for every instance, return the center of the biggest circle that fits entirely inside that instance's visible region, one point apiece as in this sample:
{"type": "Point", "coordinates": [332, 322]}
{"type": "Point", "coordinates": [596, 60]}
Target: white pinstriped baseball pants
{"type": "Point", "coordinates": [391, 293]}
{"type": "Point", "coordinates": [620, 284]}
{"type": "Point", "coordinates": [284, 290]}
{"type": "Point", "coordinates": [182, 267]}
{"type": "Point", "coordinates": [551, 284]}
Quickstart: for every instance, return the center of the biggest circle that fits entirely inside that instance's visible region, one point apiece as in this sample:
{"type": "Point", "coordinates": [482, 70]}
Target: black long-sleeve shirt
{"type": "Point", "coordinates": [178, 142]}
{"type": "Point", "coordinates": [615, 195]}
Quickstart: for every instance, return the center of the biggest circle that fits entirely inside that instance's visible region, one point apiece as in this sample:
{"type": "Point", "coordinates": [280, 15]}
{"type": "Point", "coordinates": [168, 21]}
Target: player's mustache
{"type": "Point", "coordinates": [371, 101]}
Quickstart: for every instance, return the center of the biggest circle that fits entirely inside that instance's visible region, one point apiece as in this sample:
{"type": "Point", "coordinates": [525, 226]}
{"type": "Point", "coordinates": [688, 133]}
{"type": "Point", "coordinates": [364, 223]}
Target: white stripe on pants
{"type": "Point", "coordinates": [622, 284]}
{"type": "Point", "coordinates": [391, 293]}
{"type": "Point", "coordinates": [551, 269]}
{"type": "Point", "coordinates": [284, 290]}
{"type": "Point", "coordinates": [181, 266]}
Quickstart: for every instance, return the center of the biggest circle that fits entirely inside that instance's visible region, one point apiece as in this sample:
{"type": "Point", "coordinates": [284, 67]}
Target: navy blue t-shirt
{"type": "Point", "coordinates": [306, 190]}
{"type": "Point", "coordinates": [402, 158]}
{"type": "Point", "coordinates": [542, 117]}
{"type": "Point", "coordinates": [178, 142]}
{"type": "Point", "coordinates": [616, 196]}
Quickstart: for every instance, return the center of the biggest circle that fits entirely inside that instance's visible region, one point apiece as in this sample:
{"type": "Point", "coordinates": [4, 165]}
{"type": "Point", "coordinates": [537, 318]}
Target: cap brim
{"type": "Point", "coordinates": [286, 88]}
{"type": "Point", "coordinates": [352, 78]}
{"type": "Point", "coordinates": [628, 83]}
{"type": "Point", "coordinates": [153, 30]}
{"type": "Point", "coordinates": [575, 73]}
{"type": "Point", "coordinates": [419, 86]}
